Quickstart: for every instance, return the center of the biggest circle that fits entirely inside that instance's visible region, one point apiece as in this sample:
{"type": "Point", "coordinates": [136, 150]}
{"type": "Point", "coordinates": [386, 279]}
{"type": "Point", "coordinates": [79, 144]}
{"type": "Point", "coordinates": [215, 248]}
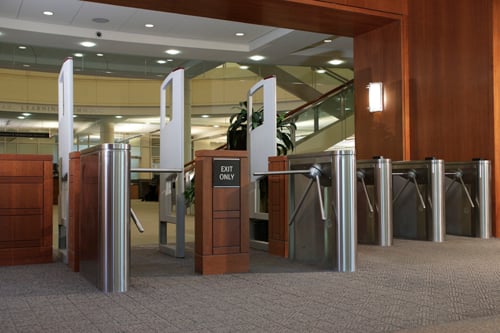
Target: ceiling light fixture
{"type": "Point", "coordinates": [328, 40]}
{"type": "Point", "coordinates": [78, 55]}
{"type": "Point", "coordinates": [48, 13]}
{"type": "Point", "coordinates": [22, 47]}
{"type": "Point", "coordinates": [169, 60]}
{"type": "Point", "coordinates": [257, 57]}
{"type": "Point", "coordinates": [161, 61]}
{"type": "Point", "coordinates": [240, 34]}
{"type": "Point", "coordinates": [88, 44]}
{"type": "Point", "coordinates": [26, 65]}
{"type": "Point", "coordinates": [99, 54]}
{"type": "Point", "coordinates": [205, 116]}
{"type": "Point", "coordinates": [244, 67]}
{"type": "Point", "coordinates": [26, 114]}
{"type": "Point", "coordinates": [149, 25]}
{"type": "Point", "coordinates": [20, 117]}
{"type": "Point", "coordinates": [118, 117]}
{"type": "Point", "coordinates": [320, 71]}
{"type": "Point", "coordinates": [336, 62]}
{"type": "Point", "coordinates": [172, 52]}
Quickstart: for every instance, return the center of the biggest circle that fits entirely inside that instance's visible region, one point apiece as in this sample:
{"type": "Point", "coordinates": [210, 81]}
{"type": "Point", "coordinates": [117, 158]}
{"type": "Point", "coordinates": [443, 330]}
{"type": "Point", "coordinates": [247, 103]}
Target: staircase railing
{"type": "Point", "coordinates": [332, 107]}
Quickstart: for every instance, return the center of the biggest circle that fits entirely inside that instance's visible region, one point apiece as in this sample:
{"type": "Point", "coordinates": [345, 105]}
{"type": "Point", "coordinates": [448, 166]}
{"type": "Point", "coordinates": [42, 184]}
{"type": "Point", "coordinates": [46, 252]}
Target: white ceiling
{"type": "Point", "coordinates": [131, 49]}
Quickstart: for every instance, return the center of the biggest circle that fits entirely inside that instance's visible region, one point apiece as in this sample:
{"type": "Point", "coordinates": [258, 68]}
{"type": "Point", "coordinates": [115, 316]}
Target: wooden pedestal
{"type": "Point", "coordinates": [25, 209]}
{"type": "Point", "coordinates": [221, 218]}
{"type": "Point", "coordinates": [278, 207]}
{"type": "Point", "coordinates": [74, 212]}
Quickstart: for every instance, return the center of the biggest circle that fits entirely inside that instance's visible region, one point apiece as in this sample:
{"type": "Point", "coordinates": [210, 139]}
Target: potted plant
{"type": "Point", "coordinates": [237, 130]}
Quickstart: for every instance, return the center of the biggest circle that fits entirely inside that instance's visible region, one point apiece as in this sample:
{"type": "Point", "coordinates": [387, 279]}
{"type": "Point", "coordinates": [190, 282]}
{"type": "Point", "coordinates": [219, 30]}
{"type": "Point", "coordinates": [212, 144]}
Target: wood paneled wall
{"type": "Point", "coordinates": [450, 57]}
{"type": "Point", "coordinates": [451, 82]}
{"type": "Point", "coordinates": [378, 58]}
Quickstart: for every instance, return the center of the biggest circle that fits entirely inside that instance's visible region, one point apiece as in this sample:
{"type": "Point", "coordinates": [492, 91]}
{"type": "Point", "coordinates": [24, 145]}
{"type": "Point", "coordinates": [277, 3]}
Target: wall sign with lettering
{"type": "Point", "coordinates": [225, 172]}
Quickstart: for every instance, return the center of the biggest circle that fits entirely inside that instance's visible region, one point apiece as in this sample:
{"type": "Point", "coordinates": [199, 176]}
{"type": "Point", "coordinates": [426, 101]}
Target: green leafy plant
{"type": "Point", "coordinates": [238, 124]}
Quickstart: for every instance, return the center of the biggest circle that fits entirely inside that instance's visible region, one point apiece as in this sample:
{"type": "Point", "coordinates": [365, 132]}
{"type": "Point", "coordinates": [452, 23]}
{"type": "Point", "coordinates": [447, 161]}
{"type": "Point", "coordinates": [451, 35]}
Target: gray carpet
{"type": "Point", "coordinates": [412, 286]}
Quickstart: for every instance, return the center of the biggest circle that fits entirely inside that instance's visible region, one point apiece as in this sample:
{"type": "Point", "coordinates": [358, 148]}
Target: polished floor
{"type": "Point", "coordinates": [413, 286]}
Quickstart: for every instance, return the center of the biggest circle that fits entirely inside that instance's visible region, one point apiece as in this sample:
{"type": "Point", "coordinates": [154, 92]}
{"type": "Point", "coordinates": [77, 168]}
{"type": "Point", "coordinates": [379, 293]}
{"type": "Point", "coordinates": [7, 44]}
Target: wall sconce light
{"type": "Point", "coordinates": [376, 96]}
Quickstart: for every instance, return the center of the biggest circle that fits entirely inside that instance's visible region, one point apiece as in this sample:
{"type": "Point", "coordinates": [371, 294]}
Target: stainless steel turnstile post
{"type": "Point", "coordinates": [374, 196]}
{"type": "Point", "coordinates": [105, 219]}
{"type": "Point", "coordinates": [418, 202]}
{"type": "Point", "coordinates": [323, 221]}
{"type": "Point", "coordinates": [468, 198]}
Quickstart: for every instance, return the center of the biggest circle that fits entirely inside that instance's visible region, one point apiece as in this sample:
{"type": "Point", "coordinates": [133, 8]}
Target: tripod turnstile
{"type": "Point", "coordinates": [468, 198]}
{"type": "Point", "coordinates": [374, 197]}
{"type": "Point", "coordinates": [418, 200]}
{"type": "Point", "coordinates": [323, 222]}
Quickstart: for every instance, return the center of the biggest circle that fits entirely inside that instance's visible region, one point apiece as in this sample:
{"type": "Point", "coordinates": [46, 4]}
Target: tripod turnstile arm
{"type": "Point", "coordinates": [412, 177]}
{"type": "Point", "coordinates": [314, 172]}
{"type": "Point", "coordinates": [361, 178]}
{"type": "Point", "coordinates": [136, 221]}
{"type": "Point", "coordinates": [459, 175]}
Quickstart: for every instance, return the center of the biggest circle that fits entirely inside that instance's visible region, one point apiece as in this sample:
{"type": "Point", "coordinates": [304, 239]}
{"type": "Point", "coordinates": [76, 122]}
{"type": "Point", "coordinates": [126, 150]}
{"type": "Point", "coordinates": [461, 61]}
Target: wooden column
{"type": "Point", "coordinates": [74, 211]}
{"type": "Point", "coordinates": [278, 208]}
{"type": "Point", "coordinates": [221, 218]}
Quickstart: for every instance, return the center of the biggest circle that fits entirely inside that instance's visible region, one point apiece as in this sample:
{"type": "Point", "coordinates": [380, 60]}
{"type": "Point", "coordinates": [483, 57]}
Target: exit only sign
{"type": "Point", "coordinates": [225, 172]}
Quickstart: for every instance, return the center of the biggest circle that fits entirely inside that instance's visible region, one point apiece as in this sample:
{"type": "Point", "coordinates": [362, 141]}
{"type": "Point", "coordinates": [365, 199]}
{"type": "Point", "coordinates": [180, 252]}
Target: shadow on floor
{"type": "Point", "coordinates": [149, 261]}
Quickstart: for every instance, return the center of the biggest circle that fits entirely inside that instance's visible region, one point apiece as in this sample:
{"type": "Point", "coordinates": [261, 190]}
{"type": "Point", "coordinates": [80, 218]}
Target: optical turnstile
{"type": "Point", "coordinates": [468, 198]}
{"type": "Point", "coordinates": [418, 200]}
{"type": "Point", "coordinates": [322, 225]}
{"type": "Point", "coordinates": [105, 213]}
{"type": "Point", "coordinates": [374, 201]}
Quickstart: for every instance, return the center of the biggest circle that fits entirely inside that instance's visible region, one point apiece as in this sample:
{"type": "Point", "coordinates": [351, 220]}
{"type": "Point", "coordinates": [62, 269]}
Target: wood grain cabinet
{"type": "Point", "coordinates": [25, 209]}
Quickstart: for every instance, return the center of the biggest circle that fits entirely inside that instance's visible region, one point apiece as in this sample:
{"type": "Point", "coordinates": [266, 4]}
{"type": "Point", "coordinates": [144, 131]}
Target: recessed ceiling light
{"type": "Point", "coordinates": [20, 117]}
{"type": "Point", "coordinates": [48, 13]}
{"type": "Point", "coordinates": [99, 54]}
{"type": "Point", "coordinates": [108, 72]}
{"type": "Point", "coordinates": [172, 52]}
{"type": "Point", "coordinates": [320, 71]}
{"type": "Point", "coordinates": [256, 57]}
{"type": "Point", "coordinates": [118, 117]}
{"type": "Point", "coordinates": [240, 34]}
{"type": "Point", "coordinates": [336, 62]}
{"type": "Point", "coordinates": [87, 44]}
{"type": "Point", "coordinates": [169, 60]}
{"type": "Point", "coordinates": [78, 55]}
{"type": "Point", "coordinates": [149, 25]}
{"type": "Point", "coordinates": [26, 65]}
{"type": "Point", "coordinates": [22, 47]}
{"type": "Point", "coordinates": [328, 40]}
{"type": "Point", "coordinates": [244, 67]}
{"type": "Point", "coordinates": [26, 114]}
{"type": "Point", "coordinates": [100, 20]}
{"type": "Point", "coordinates": [161, 61]}
{"type": "Point", "coordinates": [205, 116]}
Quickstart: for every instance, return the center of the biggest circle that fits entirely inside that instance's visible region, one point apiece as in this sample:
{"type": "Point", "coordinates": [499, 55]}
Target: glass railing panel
{"type": "Point", "coordinates": [324, 112]}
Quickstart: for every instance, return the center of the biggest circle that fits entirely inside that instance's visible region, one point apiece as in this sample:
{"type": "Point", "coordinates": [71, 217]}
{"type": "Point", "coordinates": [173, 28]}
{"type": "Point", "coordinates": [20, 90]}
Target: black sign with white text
{"type": "Point", "coordinates": [226, 172]}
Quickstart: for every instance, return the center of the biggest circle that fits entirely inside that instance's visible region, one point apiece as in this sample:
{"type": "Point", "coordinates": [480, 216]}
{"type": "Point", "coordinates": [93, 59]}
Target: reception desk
{"type": "Point", "coordinates": [25, 209]}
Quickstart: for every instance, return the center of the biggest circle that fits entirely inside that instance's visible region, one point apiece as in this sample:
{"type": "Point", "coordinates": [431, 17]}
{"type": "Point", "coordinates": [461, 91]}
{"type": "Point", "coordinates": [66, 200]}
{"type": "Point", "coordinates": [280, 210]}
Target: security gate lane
{"type": "Point", "coordinates": [468, 198]}
{"type": "Point", "coordinates": [418, 199]}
